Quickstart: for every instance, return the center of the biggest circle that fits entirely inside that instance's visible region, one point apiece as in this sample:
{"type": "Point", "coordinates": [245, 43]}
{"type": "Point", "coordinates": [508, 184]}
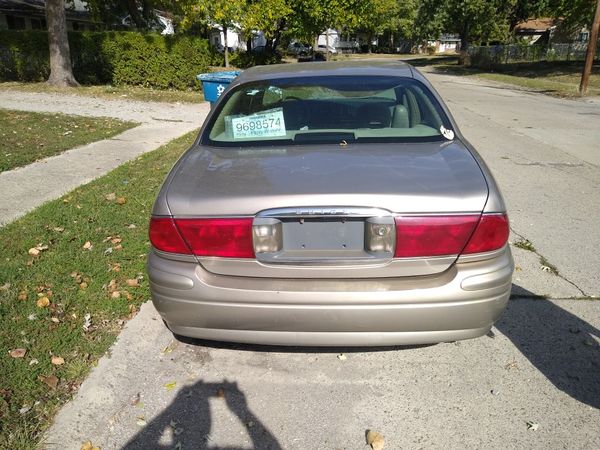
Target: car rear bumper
{"type": "Point", "coordinates": [461, 303]}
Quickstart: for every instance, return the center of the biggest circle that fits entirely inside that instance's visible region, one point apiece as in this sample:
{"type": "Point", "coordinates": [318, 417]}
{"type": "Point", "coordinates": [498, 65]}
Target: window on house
{"type": "Point", "coordinates": [15, 23]}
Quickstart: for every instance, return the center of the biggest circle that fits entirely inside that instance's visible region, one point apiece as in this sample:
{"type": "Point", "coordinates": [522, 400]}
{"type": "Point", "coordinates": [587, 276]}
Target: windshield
{"type": "Point", "coordinates": [327, 109]}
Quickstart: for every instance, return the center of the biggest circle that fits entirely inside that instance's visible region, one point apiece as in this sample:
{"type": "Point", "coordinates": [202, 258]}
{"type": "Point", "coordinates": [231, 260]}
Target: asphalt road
{"type": "Point", "coordinates": [540, 365]}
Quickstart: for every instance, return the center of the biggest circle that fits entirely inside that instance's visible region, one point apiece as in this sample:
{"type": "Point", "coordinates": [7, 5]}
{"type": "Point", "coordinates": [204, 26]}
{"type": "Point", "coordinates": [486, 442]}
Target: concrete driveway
{"type": "Point", "coordinates": [532, 383]}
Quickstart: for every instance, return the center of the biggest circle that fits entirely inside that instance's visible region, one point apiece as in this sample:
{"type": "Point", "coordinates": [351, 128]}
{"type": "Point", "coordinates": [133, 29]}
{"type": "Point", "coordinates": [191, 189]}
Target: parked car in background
{"type": "Point", "coordinates": [330, 204]}
{"type": "Point", "coordinates": [324, 48]}
{"type": "Point", "coordinates": [297, 48]}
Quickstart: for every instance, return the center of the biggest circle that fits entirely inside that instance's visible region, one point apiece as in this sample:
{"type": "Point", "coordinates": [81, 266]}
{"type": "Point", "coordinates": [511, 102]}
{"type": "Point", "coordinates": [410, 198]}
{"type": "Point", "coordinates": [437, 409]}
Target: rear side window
{"type": "Point", "coordinates": [327, 109]}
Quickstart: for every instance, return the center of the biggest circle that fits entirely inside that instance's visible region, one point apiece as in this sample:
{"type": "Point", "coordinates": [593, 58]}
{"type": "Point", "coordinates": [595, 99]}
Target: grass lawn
{"type": "Point", "coordinates": [27, 136]}
{"type": "Point", "coordinates": [559, 78]}
{"type": "Point", "coordinates": [72, 272]}
{"type": "Point", "coordinates": [111, 92]}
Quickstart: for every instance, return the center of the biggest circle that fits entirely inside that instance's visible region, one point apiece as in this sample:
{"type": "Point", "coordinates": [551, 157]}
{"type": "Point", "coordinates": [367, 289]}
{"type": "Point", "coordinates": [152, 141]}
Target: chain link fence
{"type": "Point", "coordinates": [490, 56]}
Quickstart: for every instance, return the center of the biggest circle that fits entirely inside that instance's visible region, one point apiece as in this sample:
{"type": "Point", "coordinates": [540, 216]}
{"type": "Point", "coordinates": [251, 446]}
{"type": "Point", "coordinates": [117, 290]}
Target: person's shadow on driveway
{"type": "Point", "coordinates": [558, 343]}
{"type": "Point", "coordinates": [187, 420]}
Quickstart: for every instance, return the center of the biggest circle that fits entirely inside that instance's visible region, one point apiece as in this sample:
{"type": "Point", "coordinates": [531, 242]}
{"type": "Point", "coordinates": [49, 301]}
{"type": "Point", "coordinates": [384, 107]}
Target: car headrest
{"type": "Point", "coordinates": [374, 115]}
{"type": "Point", "coordinates": [400, 117]}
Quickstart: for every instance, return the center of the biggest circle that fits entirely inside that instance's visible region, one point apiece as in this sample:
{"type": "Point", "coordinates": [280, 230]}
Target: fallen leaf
{"type": "Point", "coordinates": [128, 296]}
{"type": "Point", "coordinates": [532, 426]}
{"type": "Point", "coordinates": [133, 282]}
{"type": "Point", "coordinates": [112, 285]}
{"type": "Point", "coordinates": [118, 247]}
{"type": "Point", "coordinates": [87, 445]}
{"type": "Point", "coordinates": [115, 294]}
{"type": "Point", "coordinates": [41, 247]}
{"type": "Point", "coordinates": [131, 226]}
{"type": "Point", "coordinates": [170, 386]}
{"type": "Point", "coordinates": [116, 240]}
{"type": "Point", "coordinates": [25, 409]}
{"type": "Point", "coordinates": [375, 440]}
{"type": "Point", "coordinates": [33, 251]}
{"type": "Point", "coordinates": [108, 251]}
{"type": "Point", "coordinates": [22, 296]}
{"type": "Point", "coordinates": [121, 200]}
{"type": "Point", "coordinates": [18, 352]}
{"type": "Point", "coordinates": [58, 361]}
{"type": "Point", "coordinates": [110, 197]}
{"type": "Point", "coordinates": [43, 302]}
{"type": "Point", "coordinates": [115, 268]}
{"type": "Point", "coordinates": [141, 421]}
{"type": "Point", "coordinates": [55, 319]}
{"type": "Point", "coordinates": [58, 229]}
{"type": "Point", "coordinates": [135, 399]}
{"type": "Point", "coordinates": [33, 362]}
{"type": "Point", "coordinates": [342, 357]}
{"type": "Point", "coordinates": [87, 322]}
{"type": "Point", "coordinates": [83, 285]}
{"type": "Point", "coordinates": [87, 246]}
{"type": "Point", "coordinates": [51, 381]}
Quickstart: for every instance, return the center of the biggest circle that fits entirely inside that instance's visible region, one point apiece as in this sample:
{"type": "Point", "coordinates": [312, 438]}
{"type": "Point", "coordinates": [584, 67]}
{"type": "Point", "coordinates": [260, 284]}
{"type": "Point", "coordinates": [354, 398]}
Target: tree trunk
{"type": "Point", "coordinates": [327, 44]}
{"type": "Point", "coordinates": [591, 51]}
{"type": "Point", "coordinates": [134, 13]}
{"type": "Point", "coordinates": [249, 44]}
{"type": "Point", "coordinates": [226, 50]}
{"type": "Point", "coordinates": [463, 58]}
{"type": "Point", "coordinates": [370, 46]}
{"type": "Point", "coordinates": [61, 71]}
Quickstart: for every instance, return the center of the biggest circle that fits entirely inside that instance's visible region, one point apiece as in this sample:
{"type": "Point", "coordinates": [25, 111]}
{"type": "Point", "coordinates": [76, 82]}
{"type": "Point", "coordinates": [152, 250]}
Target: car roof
{"type": "Point", "coordinates": [339, 68]}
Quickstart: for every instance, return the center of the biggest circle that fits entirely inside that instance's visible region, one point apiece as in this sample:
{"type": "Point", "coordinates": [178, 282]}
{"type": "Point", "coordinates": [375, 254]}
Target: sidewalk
{"type": "Point", "coordinates": [26, 188]}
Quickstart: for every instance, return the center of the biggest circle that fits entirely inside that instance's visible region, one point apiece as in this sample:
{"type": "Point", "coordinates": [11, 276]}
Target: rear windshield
{"type": "Point", "coordinates": [327, 109]}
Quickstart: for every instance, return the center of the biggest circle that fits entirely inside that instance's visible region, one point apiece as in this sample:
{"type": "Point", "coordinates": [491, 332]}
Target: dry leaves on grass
{"type": "Point", "coordinates": [57, 360]}
{"type": "Point", "coordinates": [50, 381]}
{"type": "Point", "coordinates": [111, 197]}
{"type": "Point", "coordinates": [22, 296]}
{"type": "Point", "coordinates": [43, 302]}
{"type": "Point", "coordinates": [18, 352]}
{"type": "Point", "coordinates": [121, 201]}
{"type": "Point", "coordinates": [375, 440]}
{"type": "Point", "coordinates": [35, 251]}
{"type": "Point", "coordinates": [88, 245]}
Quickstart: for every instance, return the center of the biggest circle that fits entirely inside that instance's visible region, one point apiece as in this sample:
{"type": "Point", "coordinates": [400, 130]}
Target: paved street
{"type": "Point", "coordinates": [540, 365]}
{"type": "Point", "coordinates": [25, 188]}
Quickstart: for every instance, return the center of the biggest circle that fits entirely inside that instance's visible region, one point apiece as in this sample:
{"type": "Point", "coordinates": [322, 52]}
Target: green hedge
{"type": "Point", "coordinates": [143, 59]}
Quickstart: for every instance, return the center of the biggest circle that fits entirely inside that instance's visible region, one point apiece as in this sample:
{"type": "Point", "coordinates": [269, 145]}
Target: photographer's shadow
{"type": "Point", "coordinates": [559, 344]}
{"type": "Point", "coordinates": [187, 420]}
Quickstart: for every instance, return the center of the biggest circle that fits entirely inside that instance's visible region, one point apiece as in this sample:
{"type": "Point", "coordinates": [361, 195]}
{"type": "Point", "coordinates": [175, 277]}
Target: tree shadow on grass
{"type": "Point", "coordinates": [186, 423]}
{"type": "Point", "coordinates": [559, 344]}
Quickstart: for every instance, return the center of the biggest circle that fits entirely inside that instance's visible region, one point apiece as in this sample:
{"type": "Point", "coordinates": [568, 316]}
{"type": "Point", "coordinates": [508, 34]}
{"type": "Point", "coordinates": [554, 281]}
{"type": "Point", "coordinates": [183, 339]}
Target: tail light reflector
{"type": "Point", "coordinates": [224, 237]}
{"type": "Point", "coordinates": [418, 236]}
{"type": "Point", "coordinates": [164, 236]}
{"type": "Point", "coordinates": [491, 234]}
{"type": "Point", "coordinates": [422, 236]}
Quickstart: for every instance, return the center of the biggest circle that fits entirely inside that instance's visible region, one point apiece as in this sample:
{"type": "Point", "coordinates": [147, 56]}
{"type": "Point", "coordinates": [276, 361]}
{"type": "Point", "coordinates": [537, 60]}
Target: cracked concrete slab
{"type": "Point", "coordinates": [543, 152]}
{"type": "Point", "coordinates": [539, 365]}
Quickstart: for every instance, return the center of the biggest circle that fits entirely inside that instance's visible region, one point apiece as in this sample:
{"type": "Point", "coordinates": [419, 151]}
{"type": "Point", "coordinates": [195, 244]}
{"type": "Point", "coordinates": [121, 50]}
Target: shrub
{"type": "Point", "coordinates": [143, 59]}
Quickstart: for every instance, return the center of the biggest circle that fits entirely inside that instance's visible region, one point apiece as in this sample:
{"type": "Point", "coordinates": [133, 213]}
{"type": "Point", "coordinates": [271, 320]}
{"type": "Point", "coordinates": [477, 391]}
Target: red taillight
{"type": "Point", "coordinates": [229, 238]}
{"type": "Point", "coordinates": [419, 236]}
{"type": "Point", "coordinates": [164, 236]}
{"type": "Point", "coordinates": [422, 236]}
{"type": "Point", "coordinates": [491, 234]}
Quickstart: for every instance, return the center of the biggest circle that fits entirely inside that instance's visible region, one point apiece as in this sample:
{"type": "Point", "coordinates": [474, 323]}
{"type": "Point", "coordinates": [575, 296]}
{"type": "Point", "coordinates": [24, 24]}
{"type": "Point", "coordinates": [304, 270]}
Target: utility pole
{"type": "Point", "coordinates": [591, 52]}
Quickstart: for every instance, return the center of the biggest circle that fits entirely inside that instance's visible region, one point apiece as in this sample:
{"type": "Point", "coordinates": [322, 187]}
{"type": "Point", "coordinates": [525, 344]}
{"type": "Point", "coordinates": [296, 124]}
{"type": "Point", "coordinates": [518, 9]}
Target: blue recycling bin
{"type": "Point", "coordinates": [213, 84]}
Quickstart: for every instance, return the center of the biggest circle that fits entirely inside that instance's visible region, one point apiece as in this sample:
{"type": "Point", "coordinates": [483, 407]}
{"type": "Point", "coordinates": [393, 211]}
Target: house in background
{"type": "Point", "coordinates": [446, 43]}
{"type": "Point", "coordinates": [31, 15]}
{"type": "Point", "coordinates": [235, 39]}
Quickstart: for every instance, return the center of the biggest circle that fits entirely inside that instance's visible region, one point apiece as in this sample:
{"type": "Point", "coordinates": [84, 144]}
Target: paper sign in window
{"type": "Point", "coordinates": [266, 124]}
